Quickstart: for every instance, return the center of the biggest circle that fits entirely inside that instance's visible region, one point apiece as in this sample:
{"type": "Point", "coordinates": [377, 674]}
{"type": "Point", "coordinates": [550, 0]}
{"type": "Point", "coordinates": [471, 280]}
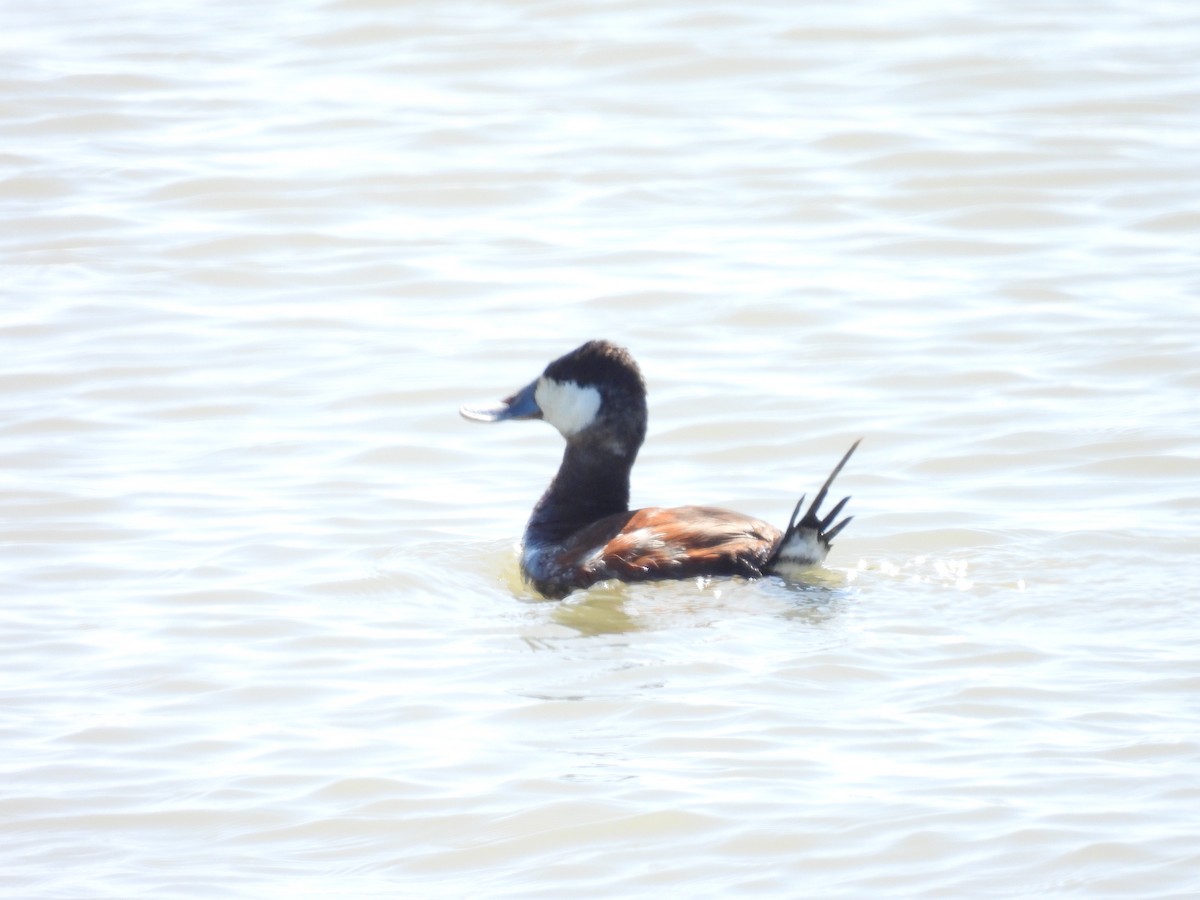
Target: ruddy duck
{"type": "Point", "coordinates": [582, 530]}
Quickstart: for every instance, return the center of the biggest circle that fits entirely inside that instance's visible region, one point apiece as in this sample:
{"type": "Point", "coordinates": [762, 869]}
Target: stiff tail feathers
{"type": "Point", "coordinates": [809, 536]}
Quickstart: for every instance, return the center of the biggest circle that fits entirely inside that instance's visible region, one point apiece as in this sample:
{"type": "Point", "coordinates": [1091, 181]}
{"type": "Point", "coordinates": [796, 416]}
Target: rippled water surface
{"type": "Point", "coordinates": [263, 632]}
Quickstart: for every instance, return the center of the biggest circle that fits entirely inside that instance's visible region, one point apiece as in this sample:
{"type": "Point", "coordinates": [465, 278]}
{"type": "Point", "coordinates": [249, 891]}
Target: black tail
{"type": "Point", "coordinates": [807, 541]}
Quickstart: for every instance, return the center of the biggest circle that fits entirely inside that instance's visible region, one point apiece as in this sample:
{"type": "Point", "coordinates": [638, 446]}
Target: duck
{"type": "Point", "coordinates": [582, 531]}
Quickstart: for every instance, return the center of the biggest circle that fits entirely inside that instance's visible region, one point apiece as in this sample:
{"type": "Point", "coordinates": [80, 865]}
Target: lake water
{"type": "Point", "coordinates": [263, 630]}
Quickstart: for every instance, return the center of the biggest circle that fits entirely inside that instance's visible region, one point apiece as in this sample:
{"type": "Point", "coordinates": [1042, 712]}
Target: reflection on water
{"type": "Point", "coordinates": [602, 610]}
{"type": "Point", "coordinates": [615, 608]}
{"type": "Point", "coordinates": [264, 631]}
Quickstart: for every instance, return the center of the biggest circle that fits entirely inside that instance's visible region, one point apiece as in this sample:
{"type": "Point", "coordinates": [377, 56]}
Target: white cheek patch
{"type": "Point", "coordinates": [566, 405]}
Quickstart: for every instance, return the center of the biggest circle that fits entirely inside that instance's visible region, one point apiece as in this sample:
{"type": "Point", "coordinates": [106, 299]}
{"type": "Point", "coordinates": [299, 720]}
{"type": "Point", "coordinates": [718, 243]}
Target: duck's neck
{"type": "Point", "coordinates": [591, 483]}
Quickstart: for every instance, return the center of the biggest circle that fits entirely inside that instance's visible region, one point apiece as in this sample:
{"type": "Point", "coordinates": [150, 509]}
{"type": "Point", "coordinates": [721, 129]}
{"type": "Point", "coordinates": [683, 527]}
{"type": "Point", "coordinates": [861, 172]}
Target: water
{"type": "Point", "coordinates": [263, 629]}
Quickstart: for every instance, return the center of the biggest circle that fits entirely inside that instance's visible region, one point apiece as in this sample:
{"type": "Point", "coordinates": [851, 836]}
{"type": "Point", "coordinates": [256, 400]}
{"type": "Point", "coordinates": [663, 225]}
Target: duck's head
{"type": "Point", "coordinates": [593, 395]}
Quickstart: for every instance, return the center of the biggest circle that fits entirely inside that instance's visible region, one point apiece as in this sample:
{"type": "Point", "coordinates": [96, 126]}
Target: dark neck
{"type": "Point", "coordinates": [591, 483]}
